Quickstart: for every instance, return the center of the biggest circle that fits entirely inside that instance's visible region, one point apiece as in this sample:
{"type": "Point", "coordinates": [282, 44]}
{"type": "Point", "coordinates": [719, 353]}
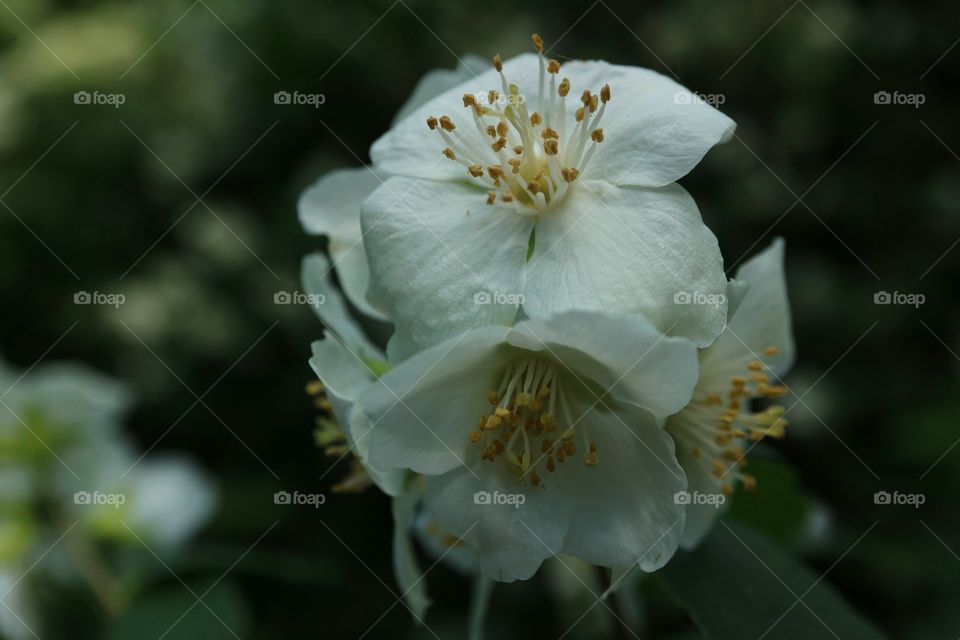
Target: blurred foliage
{"type": "Point", "coordinates": [183, 199]}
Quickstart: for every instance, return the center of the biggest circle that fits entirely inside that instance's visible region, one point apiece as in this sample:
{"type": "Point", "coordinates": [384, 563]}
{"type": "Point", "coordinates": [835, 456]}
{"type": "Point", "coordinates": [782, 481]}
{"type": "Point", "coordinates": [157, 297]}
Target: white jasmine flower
{"type": "Point", "coordinates": [331, 207]}
{"type": "Point", "coordinates": [714, 432]}
{"type": "Point", "coordinates": [568, 434]}
{"type": "Point", "coordinates": [523, 181]}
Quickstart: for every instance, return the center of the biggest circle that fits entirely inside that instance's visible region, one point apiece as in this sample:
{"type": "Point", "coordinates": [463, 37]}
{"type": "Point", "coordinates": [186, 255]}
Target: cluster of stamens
{"type": "Point", "coordinates": [524, 411]}
{"type": "Point", "coordinates": [331, 438]}
{"type": "Point", "coordinates": [527, 159]}
{"type": "Point", "coordinates": [733, 423]}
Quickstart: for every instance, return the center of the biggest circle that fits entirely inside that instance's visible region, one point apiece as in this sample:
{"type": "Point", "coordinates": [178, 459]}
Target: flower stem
{"type": "Point", "coordinates": [619, 630]}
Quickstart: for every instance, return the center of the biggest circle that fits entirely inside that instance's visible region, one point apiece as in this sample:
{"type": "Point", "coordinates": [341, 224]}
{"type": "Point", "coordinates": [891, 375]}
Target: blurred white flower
{"type": "Point", "coordinates": [535, 198]}
{"type": "Point", "coordinates": [714, 432]}
{"type": "Point", "coordinates": [568, 455]}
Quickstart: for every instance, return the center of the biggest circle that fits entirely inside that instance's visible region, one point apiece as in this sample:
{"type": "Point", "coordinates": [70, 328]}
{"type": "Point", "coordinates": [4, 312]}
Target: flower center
{"type": "Point", "coordinates": [524, 153]}
{"type": "Point", "coordinates": [734, 423]}
{"type": "Point", "coordinates": [525, 410]}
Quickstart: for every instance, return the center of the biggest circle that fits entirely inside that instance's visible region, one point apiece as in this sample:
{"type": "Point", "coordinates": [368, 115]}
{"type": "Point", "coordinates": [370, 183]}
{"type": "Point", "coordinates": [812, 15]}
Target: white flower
{"type": "Point", "coordinates": [562, 202]}
{"type": "Point", "coordinates": [568, 437]}
{"type": "Point", "coordinates": [715, 431]}
{"type": "Point", "coordinates": [331, 207]}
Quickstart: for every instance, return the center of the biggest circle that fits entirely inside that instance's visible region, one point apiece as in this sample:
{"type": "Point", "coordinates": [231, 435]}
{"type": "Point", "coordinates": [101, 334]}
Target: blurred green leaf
{"type": "Point", "coordinates": [738, 584]}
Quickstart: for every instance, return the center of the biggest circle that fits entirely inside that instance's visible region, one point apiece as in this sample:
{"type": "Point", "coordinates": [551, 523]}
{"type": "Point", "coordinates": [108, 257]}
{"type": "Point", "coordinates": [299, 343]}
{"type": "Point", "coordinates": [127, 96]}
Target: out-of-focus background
{"type": "Point", "coordinates": [142, 153]}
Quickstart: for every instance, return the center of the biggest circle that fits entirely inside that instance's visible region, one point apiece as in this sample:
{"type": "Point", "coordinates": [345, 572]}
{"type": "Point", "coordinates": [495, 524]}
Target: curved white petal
{"type": "Point", "coordinates": [625, 509]}
{"type": "Point", "coordinates": [512, 540]}
{"type": "Point", "coordinates": [761, 320]}
{"type": "Point", "coordinates": [317, 281]}
{"type": "Point", "coordinates": [331, 207]}
{"type": "Point", "coordinates": [655, 130]}
{"type": "Point", "coordinates": [439, 257]}
{"type": "Point", "coordinates": [631, 250]}
{"type": "Point", "coordinates": [423, 410]}
{"type": "Point", "coordinates": [435, 82]}
{"type": "Point", "coordinates": [345, 378]}
{"type": "Point", "coordinates": [623, 356]}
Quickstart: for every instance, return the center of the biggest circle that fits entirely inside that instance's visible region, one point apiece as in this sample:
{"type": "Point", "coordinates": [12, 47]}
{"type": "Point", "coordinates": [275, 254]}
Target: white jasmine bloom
{"type": "Point", "coordinates": [714, 432]}
{"type": "Point", "coordinates": [331, 207]}
{"type": "Point", "coordinates": [543, 438]}
{"type": "Point", "coordinates": [524, 182]}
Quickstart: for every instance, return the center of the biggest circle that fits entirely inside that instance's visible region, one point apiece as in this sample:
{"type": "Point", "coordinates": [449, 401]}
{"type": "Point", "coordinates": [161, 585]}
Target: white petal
{"type": "Point", "coordinates": [433, 248]}
{"type": "Point", "coordinates": [331, 207]}
{"type": "Point", "coordinates": [410, 578]}
{"type": "Point", "coordinates": [625, 508]}
{"type": "Point", "coordinates": [435, 82]}
{"type": "Point", "coordinates": [655, 130]}
{"type": "Point", "coordinates": [631, 250]}
{"type": "Point", "coordinates": [625, 355]}
{"type": "Point", "coordinates": [761, 320]}
{"type": "Point", "coordinates": [345, 378]}
{"type": "Point", "coordinates": [333, 312]}
{"type": "Point", "coordinates": [512, 541]}
{"type": "Point", "coordinates": [422, 411]}
{"type": "Point", "coordinates": [700, 479]}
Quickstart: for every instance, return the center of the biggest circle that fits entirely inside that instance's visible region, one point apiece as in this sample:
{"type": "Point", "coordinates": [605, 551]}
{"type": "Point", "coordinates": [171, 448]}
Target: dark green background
{"type": "Point", "coordinates": [880, 193]}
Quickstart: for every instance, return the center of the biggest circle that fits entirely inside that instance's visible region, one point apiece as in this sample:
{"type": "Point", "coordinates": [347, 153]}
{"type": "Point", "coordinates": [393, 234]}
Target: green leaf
{"type": "Point", "coordinates": [738, 584]}
{"type": "Point", "coordinates": [174, 613]}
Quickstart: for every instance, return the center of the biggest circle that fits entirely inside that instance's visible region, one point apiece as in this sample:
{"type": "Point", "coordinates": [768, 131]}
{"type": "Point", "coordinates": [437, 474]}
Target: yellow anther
{"type": "Point", "coordinates": [502, 412]}
{"type": "Point", "coordinates": [495, 171]}
{"type": "Point", "coordinates": [449, 153]}
{"type": "Point", "coordinates": [733, 453]}
{"type": "Point", "coordinates": [771, 351]}
{"type": "Point", "coordinates": [502, 129]}
{"type": "Point", "coordinates": [492, 422]}
{"type": "Point", "coordinates": [580, 114]}
{"type": "Point", "coordinates": [491, 131]}
{"type": "Point", "coordinates": [755, 365]}
{"type": "Point", "coordinates": [492, 96]}
{"type": "Point", "coordinates": [474, 437]}
{"type": "Point", "coordinates": [507, 197]}
{"type": "Point", "coordinates": [446, 123]}
{"type": "Point", "coordinates": [586, 97]}
{"type": "Point", "coordinates": [498, 62]}
{"type": "Point", "coordinates": [553, 66]}
{"type": "Point", "coordinates": [605, 93]}
{"type": "Point", "coordinates": [726, 489]}
{"type": "Point", "coordinates": [518, 149]}
{"type": "Point", "coordinates": [551, 147]}
{"type": "Point", "coordinates": [533, 186]}
{"type": "Point", "coordinates": [469, 100]}
{"type": "Point", "coordinates": [594, 101]}
{"type": "Point", "coordinates": [561, 455]}
{"type": "Point", "coordinates": [564, 88]}
{"type": "Point", "coordinates": [597, 135]}
{"type": "Point", "coordinates": [775, 391]}
{"type": "Point", "coordinates": [499, 144]}
{"type": "Point", "coordinates": [314, 387]}
{"type": "Point", "coordinates": [568, 434]}
{"type": "Point", "coordinates": [714, 398]}
{"type": "Point", "coordinates": [719, 468]}
{"type": "Point", "coordinates": [524, 399]}
{"type": "Point", "coordinates": [569, 447]}
{"type": "Point", "coordinates": [569, 175]}
{"type": "Point", "coordinates": [749, 482]}
{"type": "Point", "coordinates": [493, 397]}
{"type": "Point", "coordinates": [537, 42]}
{"type": "Point", "coordinates": [432, 123]}
{"type": "Point", "coordinates": [549, 133]}
{"type": "Point", "coordinates": [491, 197]}
{"type": "Point", "coordinates": [514, 165]}
{"type": "Point", "coordinates": [551, 465]}
{"type": "Point", "coordinates": [535, 118]}
{"type": "Point", "coordinates": [475, 170]}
